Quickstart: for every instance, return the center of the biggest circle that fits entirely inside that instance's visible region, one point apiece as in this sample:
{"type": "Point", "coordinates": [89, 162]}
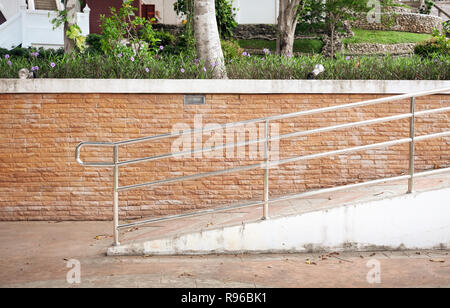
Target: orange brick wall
{"type": "Point", "coordinates": [40, 180]}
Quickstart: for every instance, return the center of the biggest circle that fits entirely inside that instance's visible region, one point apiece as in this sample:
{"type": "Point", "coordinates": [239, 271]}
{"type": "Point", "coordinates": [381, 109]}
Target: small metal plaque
{"type": "Point", "coordinates": [194, 100]}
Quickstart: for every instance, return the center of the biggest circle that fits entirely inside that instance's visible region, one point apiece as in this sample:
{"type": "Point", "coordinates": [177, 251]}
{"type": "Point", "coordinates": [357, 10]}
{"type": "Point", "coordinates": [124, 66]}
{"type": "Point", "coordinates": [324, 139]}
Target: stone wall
{"type": "Point", "coordinates": [407, 22]}
{"type": "Point", "coordinates": [40, 179]}
{"type": "Point", "coordinates": [379, 49]}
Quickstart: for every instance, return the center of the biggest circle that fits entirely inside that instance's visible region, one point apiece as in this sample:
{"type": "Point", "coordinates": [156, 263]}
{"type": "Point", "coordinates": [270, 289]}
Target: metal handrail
{"type": "Point", "coordinates": [441, 10]}
{"type": "Point", "coordinates": [267, 164]}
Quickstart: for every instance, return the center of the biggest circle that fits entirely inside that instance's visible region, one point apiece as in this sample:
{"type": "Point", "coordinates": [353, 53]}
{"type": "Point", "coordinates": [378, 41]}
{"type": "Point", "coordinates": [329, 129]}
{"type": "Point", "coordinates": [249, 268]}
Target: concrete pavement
{"type": "Point", "coordinates": [35, 254]}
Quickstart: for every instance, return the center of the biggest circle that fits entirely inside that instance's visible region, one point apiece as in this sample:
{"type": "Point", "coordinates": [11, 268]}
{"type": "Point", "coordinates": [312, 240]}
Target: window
{"type": "Point", "coordinates": [148, 11]}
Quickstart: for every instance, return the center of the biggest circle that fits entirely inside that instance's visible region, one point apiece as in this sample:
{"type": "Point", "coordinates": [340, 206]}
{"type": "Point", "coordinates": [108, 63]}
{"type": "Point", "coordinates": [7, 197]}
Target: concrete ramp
{"type": "Point", "coordinates": [414, 221]}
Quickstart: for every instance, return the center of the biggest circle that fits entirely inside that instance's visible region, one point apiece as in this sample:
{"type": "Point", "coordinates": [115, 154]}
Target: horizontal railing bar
{"type": "Point", "coordinates": [284, 198]}
{"type": "Point", "coordinates": [341, 126]}
{"type": "Point", "coordinates": [92, 164]}
{"type": "Point", "coordinates": [426, 112]}
{"type": "Point", "coordinates": [296, 134]}
{"type": "Point", "coordinates": [285, 161]}
{"type": "Point", "coordinates": [97, 164]}
{"type": "Point", "coordinates": [192, 177]}
{"type": "Point", "coordinates": [337, 152]}
{"type": "Point", "coordinates": [190, 152]}
{"type": "Point", "coordinates": [431, 172]}
{"type": "Point", "coordinates": [280, 137]}
{"type": "Point", "coordinates": [204, 212]}
{"type": "Point", "coordinates": [262, 165]}
{"type": "Point", "coordinates": [286, 116]}
{"type": "Point", "coordinates": [431, 136]}
{"type": "Point", "coordinates": [333, 189]}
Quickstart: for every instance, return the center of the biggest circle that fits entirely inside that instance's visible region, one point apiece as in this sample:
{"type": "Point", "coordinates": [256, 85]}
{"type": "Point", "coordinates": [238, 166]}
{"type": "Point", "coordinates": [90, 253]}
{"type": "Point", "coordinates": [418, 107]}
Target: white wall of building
{"type": "Point", "coordinates": [32, 28]}
{"type": "Point", "coordinates": [256, 11]}
{"type": "Point", "coordinates": [9, 8]}
{"type": "Point", "coordinates": [248, 11]}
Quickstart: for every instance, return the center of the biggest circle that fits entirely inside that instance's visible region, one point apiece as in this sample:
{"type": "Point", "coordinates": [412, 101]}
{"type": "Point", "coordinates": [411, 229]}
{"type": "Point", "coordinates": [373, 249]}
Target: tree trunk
{"type": "Point", "coordinates": [207, 40]}
{"type": "Point", "coordinates": [287, 22]}
{"type": "Point", "coordinates": [71, 9]}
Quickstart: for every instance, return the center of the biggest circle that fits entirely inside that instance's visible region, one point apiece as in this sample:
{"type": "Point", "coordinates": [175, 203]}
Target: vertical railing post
{"type": "Point", "coordinates": [116, 197]}
{"type": "Point", "coordinates": [266, 171]}
{"type": "Point", "coordinates": [412, 135]}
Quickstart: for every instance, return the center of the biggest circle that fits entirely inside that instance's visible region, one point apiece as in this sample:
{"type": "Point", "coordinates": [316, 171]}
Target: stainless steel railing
{"type": "Point", "coordinates": [267, 163]}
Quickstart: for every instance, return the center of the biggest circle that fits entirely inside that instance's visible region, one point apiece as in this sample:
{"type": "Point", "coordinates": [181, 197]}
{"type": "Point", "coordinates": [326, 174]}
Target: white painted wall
{"type": "Point", "coordinates": [256, 11]}
{"type": "Point", "coordinates": [32, 28]}
{"type": "Point", "coordinates": [249, 11]}
{"type": "Point", "coordinates": [415, 221]}
{"type": "Point", "coordinates": [9, 8]}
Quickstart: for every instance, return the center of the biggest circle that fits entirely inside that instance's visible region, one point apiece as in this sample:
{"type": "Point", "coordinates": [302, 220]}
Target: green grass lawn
{"type": "Point", "coordinates": [385, 37]}
{"type": "Point", "coordinates": [361, 36]}
{"type": "Point", "coordinates": [304, 45]}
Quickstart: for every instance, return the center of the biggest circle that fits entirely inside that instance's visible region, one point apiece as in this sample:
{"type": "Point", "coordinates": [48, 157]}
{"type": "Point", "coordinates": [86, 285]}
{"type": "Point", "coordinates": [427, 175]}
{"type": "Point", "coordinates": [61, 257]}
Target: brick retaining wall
{"type": "Point", "coordinates": [40, 179]}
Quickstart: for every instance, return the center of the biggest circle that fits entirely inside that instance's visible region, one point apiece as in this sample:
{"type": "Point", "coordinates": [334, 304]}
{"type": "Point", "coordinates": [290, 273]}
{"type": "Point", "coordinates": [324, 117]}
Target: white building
{"type": "Point", "coordinates": [28, 23]}
{"type": "Point", "coordinates": [248, 11]}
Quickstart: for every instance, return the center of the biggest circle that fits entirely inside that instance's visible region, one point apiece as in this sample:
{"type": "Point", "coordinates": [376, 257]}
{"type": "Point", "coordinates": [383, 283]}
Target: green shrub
{"type": "Point", "coordinates": [446, 27]}
{"type": "Point", "coordinates": [231, 50]}
{"type": "Point", "coordinates": [94, 43]}
{"type": "Point", "coordinates": [428, 6]}
{"type": "Point", "coordinates": [271, 66]}
{"type": "Point", "coordinates": [119, 28]}
{"type": "Point", "coordinates": [437, 45]}
{"type": "Point", "coordinates": [42, 53]}
{"type": "Point", "coordinates": [165, 38]}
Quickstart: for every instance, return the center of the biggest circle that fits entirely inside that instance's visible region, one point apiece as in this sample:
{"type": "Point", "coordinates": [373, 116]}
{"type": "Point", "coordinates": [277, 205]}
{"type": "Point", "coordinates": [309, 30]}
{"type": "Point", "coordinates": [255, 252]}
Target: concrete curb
{"type": "Point", "coordinates": [208, 86]}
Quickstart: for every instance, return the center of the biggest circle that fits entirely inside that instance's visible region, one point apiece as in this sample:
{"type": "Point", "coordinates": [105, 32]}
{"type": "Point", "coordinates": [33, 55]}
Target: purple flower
{"type": "Point", "coordinates": [196, 61]}
{"type": "Point", "coordinates": [347, 58]}
{"type": "Point", "coordinates": [244, 53]}
{"type": "Point", "coordinates": [35, 68]}
{"type": "Point", "coordinates": [161, 47]}
{"type": "Point", "coordinates": [6, 56]}
{"type": "Point", "coordinates": [266, 51]}
{"type": "Point", "coordinates": [182, 70]}
{"type": "Point", "coordinates": [35, 54]}
{"type": "Point", "coordinates": [119, 55]}
{"type": "Point", "coordinates": [147, 70]}
{"type": "Point", "coordinates": [9, 63]}
{"type": "Point", "coordinates": [204, 69]}
{"type": "Point", "coordinates": [132, 59]}
{"type": "Point", "coordinates": [213, 64]}
{"type": "Point", "coordinates": [52, 64]}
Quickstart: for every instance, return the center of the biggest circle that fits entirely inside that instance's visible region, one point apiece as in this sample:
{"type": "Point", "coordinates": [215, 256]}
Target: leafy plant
{"type": "Point", "coordinates": [73, 32]}
{"type": "Point", "coordinates": [225, 15]}
{"type": "Point", "coordinates": [97, 66]}
{"type": "Point", "coordinates": [427, 8]}
{"type": "Point", "coordinates": [231, 50]}
{"type": "Point", "coordinates": [437, 45]}
{"type": "Point", "coordinates": [93, 41]}
{"type": "Point", "coordinates": [165, 38]}
{"type": "Point", "coordinates": [446, 27]}
{"type": "Point", "coordinates": [123, 30]}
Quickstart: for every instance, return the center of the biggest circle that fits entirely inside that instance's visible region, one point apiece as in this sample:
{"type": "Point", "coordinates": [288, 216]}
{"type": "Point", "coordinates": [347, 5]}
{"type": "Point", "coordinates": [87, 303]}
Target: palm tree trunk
{"type": "Point", "coordinates": [287, 22]}
{"type": "Point", "coordinates": [207, 40]}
